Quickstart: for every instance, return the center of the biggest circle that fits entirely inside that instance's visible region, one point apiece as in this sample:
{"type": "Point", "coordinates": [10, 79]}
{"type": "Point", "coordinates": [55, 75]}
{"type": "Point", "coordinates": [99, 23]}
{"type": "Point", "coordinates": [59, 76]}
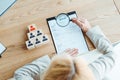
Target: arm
{"type": "Point", "coordinates": [105, 63]}
{"type": "Point", "coordinates": [32, 70]}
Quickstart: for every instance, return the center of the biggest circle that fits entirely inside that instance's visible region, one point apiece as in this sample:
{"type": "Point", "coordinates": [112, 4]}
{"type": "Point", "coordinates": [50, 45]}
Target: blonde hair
{"type": "Point", "coordinates": [60, 67]}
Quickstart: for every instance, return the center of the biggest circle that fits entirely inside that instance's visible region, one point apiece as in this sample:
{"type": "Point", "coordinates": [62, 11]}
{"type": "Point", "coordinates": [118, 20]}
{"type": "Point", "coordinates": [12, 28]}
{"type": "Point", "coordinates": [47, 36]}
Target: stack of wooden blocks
{"type": "Point", "coordinates": [36, 37]}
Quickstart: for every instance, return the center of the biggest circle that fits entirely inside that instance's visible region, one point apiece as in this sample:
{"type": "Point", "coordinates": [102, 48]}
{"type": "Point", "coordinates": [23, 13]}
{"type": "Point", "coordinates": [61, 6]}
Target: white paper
{"type": "Point", "coordinates": [70, 36]}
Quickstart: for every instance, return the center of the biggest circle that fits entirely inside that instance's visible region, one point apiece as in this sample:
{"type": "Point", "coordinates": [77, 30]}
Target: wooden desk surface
{"type": "Point", "coordinates": [13, 28]}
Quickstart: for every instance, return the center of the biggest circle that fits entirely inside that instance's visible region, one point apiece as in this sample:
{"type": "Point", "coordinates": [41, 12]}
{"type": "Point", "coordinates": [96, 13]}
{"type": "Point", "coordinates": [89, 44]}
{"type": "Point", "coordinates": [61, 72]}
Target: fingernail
{"type": "Point", "coordinates": [75, 48]}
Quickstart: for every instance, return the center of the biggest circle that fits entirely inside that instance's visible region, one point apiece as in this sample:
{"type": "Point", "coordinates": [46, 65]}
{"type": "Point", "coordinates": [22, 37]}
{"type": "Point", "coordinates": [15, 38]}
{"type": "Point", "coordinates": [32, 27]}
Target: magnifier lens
{"type": "Point", "coordinates": [62, 20]}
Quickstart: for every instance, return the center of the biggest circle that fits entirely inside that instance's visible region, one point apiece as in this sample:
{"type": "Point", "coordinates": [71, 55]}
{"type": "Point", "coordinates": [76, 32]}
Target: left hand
{"type": "Point", "coordinates": [72, 52]}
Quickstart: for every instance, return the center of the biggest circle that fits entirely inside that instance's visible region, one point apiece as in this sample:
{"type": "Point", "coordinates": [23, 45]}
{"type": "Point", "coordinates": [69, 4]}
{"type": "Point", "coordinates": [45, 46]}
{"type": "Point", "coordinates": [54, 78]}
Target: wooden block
{"type": "Point", "coordinates": [38, 41]}
{"type": "Point", "coordinates": [45, 39]}
{"type": "Point", "coordinates": [36, 37]}
{"type": "Point", "coordinates": [32, 27]}
{"type": "Point", "coordinates": [38, 32]}
{"type": "Point", "coordinates": [30, 44]}
{"type": "Point", "coordinates": [31, 35]}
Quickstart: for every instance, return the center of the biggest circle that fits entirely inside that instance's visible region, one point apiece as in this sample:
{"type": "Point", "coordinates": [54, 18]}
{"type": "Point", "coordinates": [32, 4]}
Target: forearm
{"type": "Point", "coordinates": [103, 65]}
{"type": "Point", "coordinates": [99, 40]}
{"type": "Point", "coordinates": [32, 70]}
{"type": "Point", "coordinates": [106, 62]}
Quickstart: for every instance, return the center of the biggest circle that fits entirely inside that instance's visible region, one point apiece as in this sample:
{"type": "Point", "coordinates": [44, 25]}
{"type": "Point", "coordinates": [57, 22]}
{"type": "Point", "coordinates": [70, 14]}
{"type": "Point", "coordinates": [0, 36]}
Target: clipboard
{"type": "Point", "coordinates": [70, 36]}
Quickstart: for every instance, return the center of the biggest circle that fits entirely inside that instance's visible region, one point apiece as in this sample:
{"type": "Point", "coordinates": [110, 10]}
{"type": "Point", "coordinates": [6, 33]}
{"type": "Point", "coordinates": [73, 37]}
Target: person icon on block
{"type": "Point", "coordinates": [31, 35]}
{"type": "Point", "coordinates": [39, 33]}
{"type": "Point", "coordinates": [44, 38]}
{"type": "Point", "coordinates": [29, 43]}
{"type": "Point", "coordinates": [37, 41]}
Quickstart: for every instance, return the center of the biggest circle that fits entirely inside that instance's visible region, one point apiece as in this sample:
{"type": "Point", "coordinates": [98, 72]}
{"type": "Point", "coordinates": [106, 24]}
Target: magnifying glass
{"type": "Point", "coordinates": [63, 19]}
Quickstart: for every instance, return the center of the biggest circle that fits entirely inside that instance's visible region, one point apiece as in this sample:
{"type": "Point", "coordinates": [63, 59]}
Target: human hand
{"type": "Point", "coordinates": [82, 23]}
{"type": "Point", "coordinates": [72, 52]}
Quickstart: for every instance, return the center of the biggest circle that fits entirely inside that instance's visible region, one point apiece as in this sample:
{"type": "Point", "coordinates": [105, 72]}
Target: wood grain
{"type": "Point", "coordinates": [117, 4]}
{"type": "Point", "coordinates": [13, 28]}
{"type": "Point", "coordinates": [110, 26]}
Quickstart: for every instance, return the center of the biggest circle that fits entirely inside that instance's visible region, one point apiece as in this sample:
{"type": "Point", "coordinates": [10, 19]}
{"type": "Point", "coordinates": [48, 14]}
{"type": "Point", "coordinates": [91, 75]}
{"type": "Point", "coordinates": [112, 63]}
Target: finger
{"type": "Point", "coordinates": [74, 52]}
{"type": "Point", "coordinates": [74, 55]}
{"type": "Point", "coordinates": [71, 52]}
{"type": "Point", "coordinates": [83, 20]}
{"type": "Point", "coordinates": [76, 21]}
{"type": "Point", "coordinates": [67, 50]}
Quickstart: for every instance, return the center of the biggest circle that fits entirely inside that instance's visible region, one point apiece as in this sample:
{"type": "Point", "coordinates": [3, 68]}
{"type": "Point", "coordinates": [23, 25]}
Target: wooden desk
{"type": "Point", "coordinates": [13, 28]}
{"type": "Point", "coordinates": [117, 4]}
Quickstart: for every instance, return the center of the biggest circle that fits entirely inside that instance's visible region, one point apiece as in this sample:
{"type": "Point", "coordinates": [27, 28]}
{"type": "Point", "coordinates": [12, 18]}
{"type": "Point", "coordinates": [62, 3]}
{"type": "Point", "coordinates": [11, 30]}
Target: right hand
{"type": "Point", "coordinates": [82, 23]}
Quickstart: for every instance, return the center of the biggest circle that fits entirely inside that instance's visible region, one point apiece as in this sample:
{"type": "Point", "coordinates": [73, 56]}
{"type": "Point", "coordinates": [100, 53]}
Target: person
{"type": "Point", "coordinates": [68, 67]}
